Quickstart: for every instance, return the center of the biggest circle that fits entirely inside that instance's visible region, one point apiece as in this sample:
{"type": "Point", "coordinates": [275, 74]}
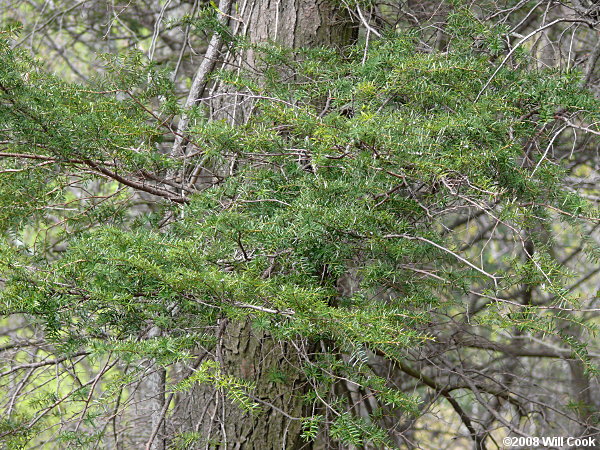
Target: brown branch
{"type": "Point", "coordinates": [136, 185]}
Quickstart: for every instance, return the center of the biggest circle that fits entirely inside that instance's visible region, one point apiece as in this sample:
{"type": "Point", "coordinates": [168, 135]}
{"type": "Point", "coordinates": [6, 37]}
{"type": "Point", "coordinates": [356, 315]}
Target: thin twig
{"type": "Point", "coordinates": [457, 256]}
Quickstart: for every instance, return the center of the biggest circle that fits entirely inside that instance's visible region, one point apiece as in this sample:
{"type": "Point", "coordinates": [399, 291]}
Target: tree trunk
{"type": "Point", "coordinates": [249, 354]}
{"type": "Point", "coordinates": [244, 351]}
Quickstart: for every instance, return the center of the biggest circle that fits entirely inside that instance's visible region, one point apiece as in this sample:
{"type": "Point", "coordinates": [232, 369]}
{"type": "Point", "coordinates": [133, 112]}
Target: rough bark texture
{"type": "Point", "coordinates": [244, 351]}
{"type": "Point", "coordinates": [289, 23]}
{"type": "Point", "coordinates": [252, 355]}
{"type": "Point", "coordinates": [298, 23]}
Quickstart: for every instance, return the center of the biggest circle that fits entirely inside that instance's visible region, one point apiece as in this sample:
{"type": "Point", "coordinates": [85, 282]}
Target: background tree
{"type": "Point", "coordinates": [298, 224]}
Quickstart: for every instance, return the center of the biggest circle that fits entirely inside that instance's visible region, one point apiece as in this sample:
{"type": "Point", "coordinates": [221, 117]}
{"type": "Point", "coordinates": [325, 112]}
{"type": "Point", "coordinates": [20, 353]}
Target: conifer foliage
{"type": "Point", "coordinates": [408, 223]}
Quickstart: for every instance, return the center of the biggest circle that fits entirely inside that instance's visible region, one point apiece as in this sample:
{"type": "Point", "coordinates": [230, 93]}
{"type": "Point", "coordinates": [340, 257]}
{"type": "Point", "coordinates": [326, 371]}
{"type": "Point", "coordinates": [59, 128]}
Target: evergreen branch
{"type": "Point", "coordinates": [440, 247]}
{"type": "Point", "coordinates": [521, 42]}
